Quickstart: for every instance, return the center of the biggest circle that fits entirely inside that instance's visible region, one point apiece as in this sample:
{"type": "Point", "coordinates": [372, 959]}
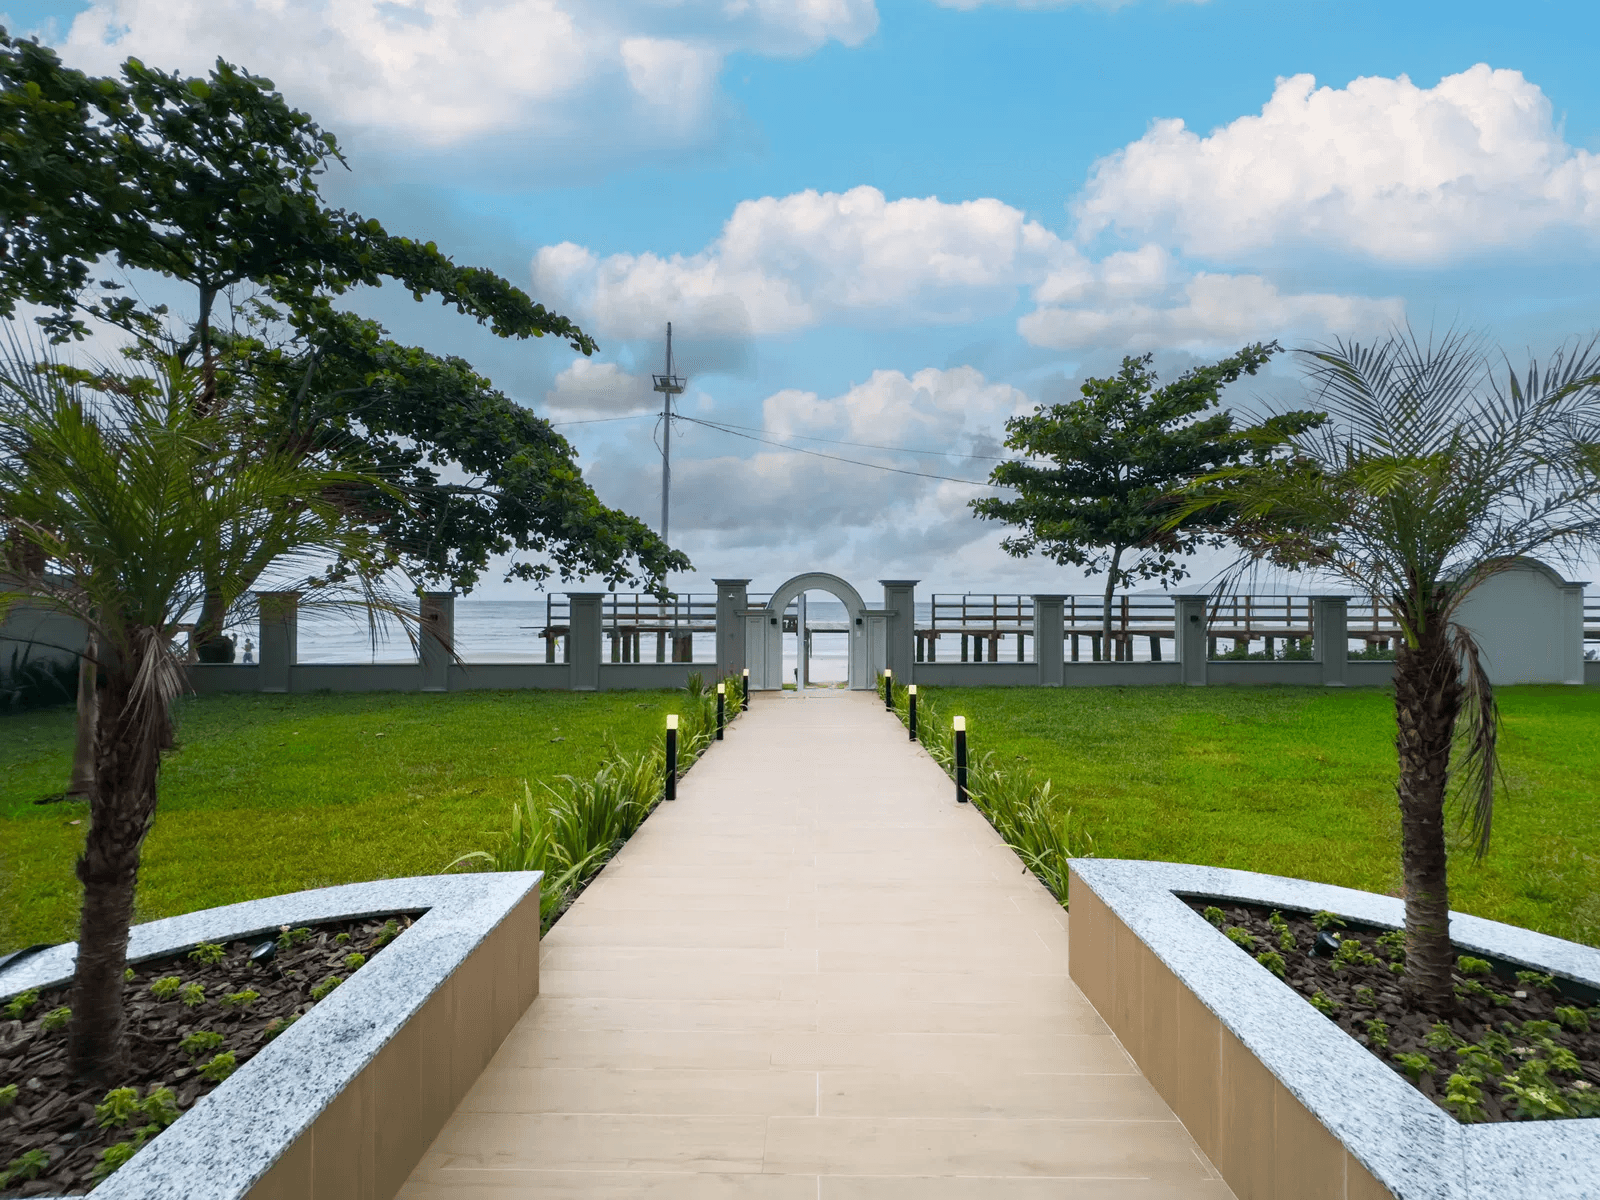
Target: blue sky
{"type": "Point", "coordinates": [897, 223]}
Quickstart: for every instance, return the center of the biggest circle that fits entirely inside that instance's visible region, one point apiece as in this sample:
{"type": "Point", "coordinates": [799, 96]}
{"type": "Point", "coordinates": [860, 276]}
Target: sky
{"type": "Point", "coordinates": [880, 229]}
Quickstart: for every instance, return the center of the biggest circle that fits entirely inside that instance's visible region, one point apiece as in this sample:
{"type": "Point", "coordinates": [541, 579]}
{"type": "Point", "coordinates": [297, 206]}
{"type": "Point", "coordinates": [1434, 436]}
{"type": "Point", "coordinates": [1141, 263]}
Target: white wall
{"type": "Point", "coordinates": [1529, 624]}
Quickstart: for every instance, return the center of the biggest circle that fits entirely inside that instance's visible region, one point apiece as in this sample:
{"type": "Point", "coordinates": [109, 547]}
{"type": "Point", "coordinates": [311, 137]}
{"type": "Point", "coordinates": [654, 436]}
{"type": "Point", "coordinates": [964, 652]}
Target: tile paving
{"type": "Point", "coordinates": [813, 977]}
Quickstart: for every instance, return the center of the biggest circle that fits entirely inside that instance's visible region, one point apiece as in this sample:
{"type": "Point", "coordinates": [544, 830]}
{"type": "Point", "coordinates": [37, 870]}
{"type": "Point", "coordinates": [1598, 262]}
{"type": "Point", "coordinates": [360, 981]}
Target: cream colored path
{"type": "Point", "coordinates": [813, 977]}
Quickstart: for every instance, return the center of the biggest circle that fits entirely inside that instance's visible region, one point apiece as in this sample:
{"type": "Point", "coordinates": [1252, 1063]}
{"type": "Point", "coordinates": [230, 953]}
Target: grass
{"type": "Point", "coordinates": [272, 794]}
{"type": "Point", "coordinates": [1300, 782]}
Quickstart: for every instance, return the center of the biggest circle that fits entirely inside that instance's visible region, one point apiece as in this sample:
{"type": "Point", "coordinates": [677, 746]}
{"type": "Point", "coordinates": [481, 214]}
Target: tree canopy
{"type": "Point", "coordinates": [1100, 471]}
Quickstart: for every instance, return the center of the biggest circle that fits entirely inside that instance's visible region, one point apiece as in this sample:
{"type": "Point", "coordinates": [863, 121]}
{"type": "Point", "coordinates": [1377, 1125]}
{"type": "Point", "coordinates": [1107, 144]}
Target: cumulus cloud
{"type": "Point", "coordinates": [1209, 310]}
{"type": "Point", "coordinates": [1382, 167]}
{"type": "Point", "coordinates": [444, 71]}
{"type": "Point", "coordinates": [598, 389]}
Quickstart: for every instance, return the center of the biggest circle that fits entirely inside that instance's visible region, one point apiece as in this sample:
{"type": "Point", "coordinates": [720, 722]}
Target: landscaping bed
{"type": "Point", "coordinates": [1521, 1045]}
{"type": "Point", "coordinates": [194, 1018]}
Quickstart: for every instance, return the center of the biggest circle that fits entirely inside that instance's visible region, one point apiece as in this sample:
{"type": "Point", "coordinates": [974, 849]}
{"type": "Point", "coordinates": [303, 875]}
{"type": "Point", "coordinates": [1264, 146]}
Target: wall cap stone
{"type": "Point", "coordinates": [1409, 1144]}
{"type": "Point", "coordinates": [228, 1140]}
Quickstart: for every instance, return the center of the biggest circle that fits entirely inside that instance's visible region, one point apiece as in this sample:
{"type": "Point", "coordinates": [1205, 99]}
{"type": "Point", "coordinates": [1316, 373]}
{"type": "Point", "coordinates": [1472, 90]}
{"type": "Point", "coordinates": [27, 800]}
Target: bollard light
{"type": "Point", "coordinates": [744, 695]}
{"type": "Point", "coordinates": [672, 756]}
{"type": "Point", "coordinates": [960, 726]}
{"type": "Point", "coordinates": [888, 690]}
{"type": "Point", "coordinates": [911, 710]}
{"type": "Point", "coordinates": [722, 698]}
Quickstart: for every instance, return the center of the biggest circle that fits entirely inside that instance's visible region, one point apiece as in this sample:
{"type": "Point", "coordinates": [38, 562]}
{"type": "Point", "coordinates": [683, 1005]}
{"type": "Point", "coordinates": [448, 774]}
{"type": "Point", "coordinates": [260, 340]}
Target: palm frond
{"type": "Point", "coordinates": [1476, 762]}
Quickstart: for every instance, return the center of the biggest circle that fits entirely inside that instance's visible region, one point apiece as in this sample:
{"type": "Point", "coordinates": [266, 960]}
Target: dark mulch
{"type": "Point", "coordinates": [1516, 1048]}
{"type": "Point", "coordinates": [43, 1114]}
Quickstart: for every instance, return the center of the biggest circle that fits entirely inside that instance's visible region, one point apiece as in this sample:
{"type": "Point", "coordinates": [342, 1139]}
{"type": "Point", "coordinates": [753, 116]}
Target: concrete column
{"type": "Point", "coordinates": [1049, 619]}
{"type": "Point", "coordinates": [900, 648]}
{"type": "Point", "coordinates": [438, 638]}
{"type": "Point", "coordinates": [585, 639]}
{"type": "Point", "coordinates": [1330, 637]}
{"type": "Point", "coordinates": [280, 638]}
{"type": "Point", "coordinates": [733, 598]}
{"type": "Point", "coordinates": [1572, 668]}
{"type": "Point", "coordinates": [1190, 614]}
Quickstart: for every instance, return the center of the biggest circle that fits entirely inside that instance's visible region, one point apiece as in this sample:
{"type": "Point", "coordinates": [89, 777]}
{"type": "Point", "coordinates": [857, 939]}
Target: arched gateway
{"type": "Point", "coordinates": [865, 635]}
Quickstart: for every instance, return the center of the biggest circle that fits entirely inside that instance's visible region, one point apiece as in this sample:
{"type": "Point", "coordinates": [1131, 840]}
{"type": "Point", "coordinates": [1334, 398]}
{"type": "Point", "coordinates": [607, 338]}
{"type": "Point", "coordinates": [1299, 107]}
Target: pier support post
{"type": "Point", "coordinates": [1330, 637]}
{"type": "Point", "coordinates": [1049, 625]}
{"type": "Point", "coordinates": [280, 638]}
{"type": "Point", "coordinates": [438, 638]}
{"type": "Point", "coordinates": [1190, 642]}
{"type": "Point", "coordinates": [584, 640]}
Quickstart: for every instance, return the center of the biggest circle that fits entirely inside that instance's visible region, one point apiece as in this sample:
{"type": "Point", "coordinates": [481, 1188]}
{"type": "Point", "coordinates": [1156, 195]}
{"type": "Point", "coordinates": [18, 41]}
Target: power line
{"type": "Point", "coordinates": [602, 420]}
{"type": "Point", "coordinates": [855, 462]}
{"type": "Point", "coordinates": [867, 445]}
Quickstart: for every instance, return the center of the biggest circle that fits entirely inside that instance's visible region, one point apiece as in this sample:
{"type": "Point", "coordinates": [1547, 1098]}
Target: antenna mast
{"type": "Point", "coordinates": [669, 385]}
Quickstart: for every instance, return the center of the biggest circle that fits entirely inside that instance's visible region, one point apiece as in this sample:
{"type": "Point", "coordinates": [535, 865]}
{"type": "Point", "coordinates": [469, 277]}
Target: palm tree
{"type": "Point", "coordinates": [131, 499]}
{"type": "Point", "coordinates": [1434, 471]}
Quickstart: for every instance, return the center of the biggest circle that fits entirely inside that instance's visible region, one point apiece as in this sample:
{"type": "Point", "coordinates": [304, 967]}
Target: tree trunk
{"type": "Point", "coordinates": [1427, 700]}
{"type": "Point", "coordinates": [1105, 608]}
{"type": "Point", "coordinates": [82, 781]}
{"type": "Point", "coordinates": [128, 755]}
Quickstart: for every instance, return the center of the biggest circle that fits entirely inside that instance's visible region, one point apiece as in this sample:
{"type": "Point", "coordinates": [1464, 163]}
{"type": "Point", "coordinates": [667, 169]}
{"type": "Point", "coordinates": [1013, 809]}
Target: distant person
{"type": "Point", "coordinates": [249, 651]}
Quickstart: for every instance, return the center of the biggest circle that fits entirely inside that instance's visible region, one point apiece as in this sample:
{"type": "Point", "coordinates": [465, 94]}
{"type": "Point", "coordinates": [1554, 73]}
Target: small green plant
{"type": "Point", "coordinates": [1573, 1017]}
{"type": "Point", "coordinates": [354, 962]}
{"type": "Point", "coordinates": [127, 975]}
{"type": "Point", "coordinates": [1287, 940]}
{"type": "Point", "coordinates": [114, 1158]}
{"type": "Point", "coordinates": [1539, 1029]}
{"type": "Point", "coordinates": [1214, 915]}
{"type": "Point", "coordinates": [1464, 1097]}
{"type": "Point", "coordinates": [119, 1107]}
{"type": "Point", "coordinates": [161, 1107]}
{"type": "Point", "coordinates": [242, 999]}
{"type": "Point", "coordinates": [1415, 1064]}
{"type": "Point", "coordinates": [341, 939]}
{"type": "Point", "coordinates": [1240, 937]}
{"type": "Point", "coordinates": [1378, 1033]}
{"type": "Point", "coordinates": [278, 1024]}
{"type": "Point", "coordinates": [1366, 997]}
{"type": "Point", "coordinates": [322, 989]}
{"type": "Point", "coordinates": [220, 1067]}
{"type": "Point", "coordinates": [390, 931]}
{"type": "Point", "coordinates": [30, 1164]}
{"type": "Point", "coordinates": [56, 1018]}
{"type": "Point", "coordinates": [8, 1095]}
{"type": "Point", "coordinates": [1277, 921]}
{"type": "Point", "coordinates": [1393, 943]}
{"type": "Point", "coordinates": [291, 937]}
{"type": "Point", "coordinates": [1536, 979]}
{"type": "Point", "coordinates": [1468, 965]}
{"type": "Point", "coordinates": [1272, 961]}
{"type": "Point", "coordinates": [209, 953]}
{"type": "Point", "coordinates": [166, 987]}
{"type": "Point", "coordinates": [192, 994]}
{"type": "Point", "coordinates": [1442, 1037]}
{"type": "Point", "coordinates": [1397, 968]}
{"type": "Point", "coordinates": [201, 1041]}
{"type": "Point", "coordinates": [1326, 920]}
{"type": "Point", "coordinates": [1324, 1005]}
{"type": "Point", "coordinates": [18, 1008]}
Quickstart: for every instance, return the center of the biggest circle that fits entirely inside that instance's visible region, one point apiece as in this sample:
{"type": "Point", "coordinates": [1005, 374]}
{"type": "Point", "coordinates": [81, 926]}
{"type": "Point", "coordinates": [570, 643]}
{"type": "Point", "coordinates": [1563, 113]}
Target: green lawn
{"type": "Point", "coordinates": [272, 794]}
{"type": "Point", "coordinates": [1295, 781]}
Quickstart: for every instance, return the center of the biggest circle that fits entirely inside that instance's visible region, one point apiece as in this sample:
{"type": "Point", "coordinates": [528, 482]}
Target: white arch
{"type": "Point", "coordinates": [860, 675]}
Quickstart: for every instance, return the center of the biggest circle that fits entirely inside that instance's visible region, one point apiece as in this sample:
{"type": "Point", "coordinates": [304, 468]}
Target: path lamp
{"type": "Point", "coordinates": [744, 692]}
{"type": "Point", "coordinates": [911, 710]}
{"type": "Point", "coordinates": [961, 759]}
{"type": "Point", "coordinates": [888, 690]}
{"type": "Point", "coordinates": [722, 697]}
{"type": "Point", "coordinates": [672, 756]}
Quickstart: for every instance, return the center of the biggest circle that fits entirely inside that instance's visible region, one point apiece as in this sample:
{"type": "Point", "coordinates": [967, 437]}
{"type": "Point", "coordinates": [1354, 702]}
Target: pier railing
{"type": "Point", "coordinates": [631, 622]}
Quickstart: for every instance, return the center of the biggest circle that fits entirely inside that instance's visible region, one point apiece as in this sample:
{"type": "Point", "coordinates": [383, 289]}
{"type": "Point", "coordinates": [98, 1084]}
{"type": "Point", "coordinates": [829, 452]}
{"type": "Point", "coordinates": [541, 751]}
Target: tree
{"type": "Point", "coordinates": [1115, 457]}
{"type": "Point", "coordinates": [133, 502]}
{"type": "Point", "coordinates": [1430, 476]}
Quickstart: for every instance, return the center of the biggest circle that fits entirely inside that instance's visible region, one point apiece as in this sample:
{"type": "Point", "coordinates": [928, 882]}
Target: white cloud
{"type": "Point", "coordinates": [1209, 311]}
{"type": "Point", "coordinates": [955, 409]}
{"type": "Point", "coordinates": [1381, 167]}
{"type": "Point", "coordinates": [443, 71]}
{"type": "Point", "coordinates": [786, 263]}
{"type": "Point", "coordinates": [588, 388]}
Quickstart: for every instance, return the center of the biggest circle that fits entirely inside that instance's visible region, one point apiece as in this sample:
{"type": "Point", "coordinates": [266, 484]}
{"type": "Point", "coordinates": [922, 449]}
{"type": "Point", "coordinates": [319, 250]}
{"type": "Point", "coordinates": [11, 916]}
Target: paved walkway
{"type": "Point", "coordinates": [814, 976]}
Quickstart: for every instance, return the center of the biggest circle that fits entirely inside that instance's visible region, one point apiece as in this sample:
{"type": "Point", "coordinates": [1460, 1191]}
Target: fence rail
{"type": "Point", "coordinates": [626, 619]}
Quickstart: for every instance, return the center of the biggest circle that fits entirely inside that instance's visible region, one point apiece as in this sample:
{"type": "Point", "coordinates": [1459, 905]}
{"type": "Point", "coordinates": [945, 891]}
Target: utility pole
{"type": "Point", "coordinates": [669, 385]}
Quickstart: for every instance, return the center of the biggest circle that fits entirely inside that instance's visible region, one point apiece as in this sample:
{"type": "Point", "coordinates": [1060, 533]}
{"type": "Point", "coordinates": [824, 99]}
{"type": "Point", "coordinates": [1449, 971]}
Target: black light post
{"type": "Point", "coordinates": [744, 693]}
{"type": "Point", "coordinates": [961, 760]}
{"type": "Point", "coordinates": [672, 756]}
{"type": "Point", "coordinates": [911, 710]}
{"type": "Point", "coordinates": [722, 696]}
{"type": "Point", "coordinates": [888, 690]}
